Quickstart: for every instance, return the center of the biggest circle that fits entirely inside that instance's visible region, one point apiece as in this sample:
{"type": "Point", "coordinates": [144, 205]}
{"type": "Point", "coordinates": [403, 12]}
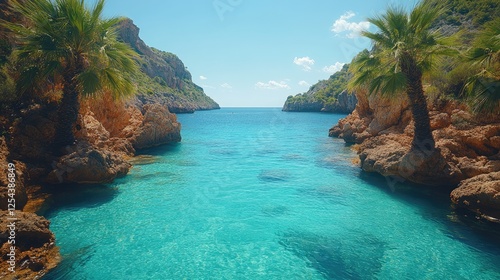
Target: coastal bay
{"type": "Point", "coordinates": [245, 195]}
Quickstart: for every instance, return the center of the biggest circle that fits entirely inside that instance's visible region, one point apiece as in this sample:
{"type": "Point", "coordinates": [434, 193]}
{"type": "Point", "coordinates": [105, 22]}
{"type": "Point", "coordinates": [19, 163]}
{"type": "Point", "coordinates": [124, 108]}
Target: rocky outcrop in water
{"type": "Point", "coordinates": [158, 127]}
{"type": "Point", "coordinates": [467, 148]}
{"type": "Point", "coordinates": [480, 194]}
{"type": "Point", "coordinates": [84, 163]}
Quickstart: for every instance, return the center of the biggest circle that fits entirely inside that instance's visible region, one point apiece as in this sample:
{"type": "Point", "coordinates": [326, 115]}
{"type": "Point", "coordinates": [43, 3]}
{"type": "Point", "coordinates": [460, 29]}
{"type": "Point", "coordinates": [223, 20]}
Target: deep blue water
{"type": "Point", "coordinates": [262, 194]}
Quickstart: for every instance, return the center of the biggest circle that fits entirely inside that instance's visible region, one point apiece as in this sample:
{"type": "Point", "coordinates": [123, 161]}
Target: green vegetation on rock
{"type": "Point", "coordinates": [326, 95]}
{"type": "Point", "coordinates": [477, 12]}
{"type": "Point", "coordinates": [163, 77]}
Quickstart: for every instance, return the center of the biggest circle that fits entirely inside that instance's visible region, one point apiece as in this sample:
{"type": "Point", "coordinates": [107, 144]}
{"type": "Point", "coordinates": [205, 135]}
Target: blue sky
{"type": "Point", "coordinates": [255, 53]}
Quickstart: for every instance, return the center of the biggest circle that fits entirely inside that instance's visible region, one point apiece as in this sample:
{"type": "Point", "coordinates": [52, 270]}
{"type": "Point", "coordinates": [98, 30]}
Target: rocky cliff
{"type": "Point", "coordinates": [164, 78]}
{"type": "Point", "coordinates": [108, 133]}
{"type": "Point", "coordinates": [325, 96]}
{"type": "Point", "coordinates": [468, 148]}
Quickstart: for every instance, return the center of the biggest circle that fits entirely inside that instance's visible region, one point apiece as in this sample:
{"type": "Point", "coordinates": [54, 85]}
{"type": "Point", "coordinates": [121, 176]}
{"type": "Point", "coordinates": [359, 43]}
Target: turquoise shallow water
{"type": "Point", "coordinates": [262, 194]}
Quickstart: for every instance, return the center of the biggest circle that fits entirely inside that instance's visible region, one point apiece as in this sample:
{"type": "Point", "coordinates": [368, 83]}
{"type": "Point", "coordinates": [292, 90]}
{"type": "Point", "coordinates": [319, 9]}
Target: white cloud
{"type": "Point", "coordinates": [273, 85]}
{"type": "Point", "coordinates": [354, 28]}
{"type": "Point", "coordinates": [333, 68]}
{"type": "Point", "coordinates": [305, 62]}
{"type": "Point", "coordinates": [203, 77]}
{"type": "Point", "coordinates": [226, 86]}
{"type": "Point", "coordinates": [304, 84]}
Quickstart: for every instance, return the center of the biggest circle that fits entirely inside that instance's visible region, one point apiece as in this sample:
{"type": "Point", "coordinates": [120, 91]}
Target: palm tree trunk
{"type": "Point", "coordinates": [422, 140]}
{"type": "Point", "coordinates": [67, 114]}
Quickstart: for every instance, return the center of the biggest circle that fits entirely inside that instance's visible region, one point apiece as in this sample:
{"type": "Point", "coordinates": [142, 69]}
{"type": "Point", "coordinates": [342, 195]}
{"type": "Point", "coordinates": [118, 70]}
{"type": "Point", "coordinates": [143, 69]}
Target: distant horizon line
{"type": "Point", "coordinates": [250, 107]}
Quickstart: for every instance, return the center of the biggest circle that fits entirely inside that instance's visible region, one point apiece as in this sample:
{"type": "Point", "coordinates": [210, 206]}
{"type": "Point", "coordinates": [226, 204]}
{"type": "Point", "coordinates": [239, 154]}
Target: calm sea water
{"type": "Point", "coordinates": [262, 194]}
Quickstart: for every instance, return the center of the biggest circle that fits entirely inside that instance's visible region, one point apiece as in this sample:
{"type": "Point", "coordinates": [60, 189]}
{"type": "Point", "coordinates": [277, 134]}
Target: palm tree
{"type": "Point", "coordinates": [483, 88]}
{"type": "Point", "coordinates": [64, 42]}
{"type": "Point", "coordinates": [405, 47]}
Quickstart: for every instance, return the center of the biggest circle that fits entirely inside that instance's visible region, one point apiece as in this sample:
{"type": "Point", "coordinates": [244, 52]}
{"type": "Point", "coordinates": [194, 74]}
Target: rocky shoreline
{"type": "Point", "coordinates": [467, 157]}
{"type": "Point", "coordinates": [108, 135]}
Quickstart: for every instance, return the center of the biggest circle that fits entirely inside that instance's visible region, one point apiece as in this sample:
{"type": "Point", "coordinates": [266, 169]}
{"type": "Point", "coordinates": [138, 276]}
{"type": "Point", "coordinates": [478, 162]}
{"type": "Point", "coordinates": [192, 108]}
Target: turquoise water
{"type": "Point", "coordinates": [262, 194]}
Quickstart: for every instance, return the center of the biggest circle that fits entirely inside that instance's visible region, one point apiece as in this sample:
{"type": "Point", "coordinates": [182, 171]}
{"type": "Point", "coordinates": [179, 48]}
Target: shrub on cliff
{"type": "Point", "coordinates": [63, 43]}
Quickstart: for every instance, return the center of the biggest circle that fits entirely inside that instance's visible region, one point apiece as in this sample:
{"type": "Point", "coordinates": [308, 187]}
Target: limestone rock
{"type": "Point", "coordinates": [92, 129]}
{"type": "Point", "coordinates": [20, 171]}
{"type": "Point", "coordinates": [158, 127]}
{"type": "Point", "coordinates": [31, 229]}
{"type": "Point", "coordinates": [480, 194]}
{"type": "Point", "coordinates": [389, 156]}
{"type": "Point", "coordinates": [466, 147]}
{"type": "Point", "coordinates": [31, 135]}
{"type": "Point", "coordinates": [386, 113]}
{"type": "Point", "coordinates": [440, 120]}
{"type": "Point", "coordinates": [85, 164]}
{"type": "Point", "coordinates": [166, 69]}
{"type": "Point", "coordinates": [35, 251]}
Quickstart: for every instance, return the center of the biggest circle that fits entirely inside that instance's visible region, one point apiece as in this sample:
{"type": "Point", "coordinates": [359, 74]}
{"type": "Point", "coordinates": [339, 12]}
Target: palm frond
{"type": "Point", "coordinates": [61, 35]}
{"type": "Point", "coordinates": [483, 93]}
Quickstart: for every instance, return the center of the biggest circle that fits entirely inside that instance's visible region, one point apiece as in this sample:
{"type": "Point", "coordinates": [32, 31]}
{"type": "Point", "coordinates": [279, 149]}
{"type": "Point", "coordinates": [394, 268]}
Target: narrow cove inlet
{"type": "Point", "coordinates": [257, 193]}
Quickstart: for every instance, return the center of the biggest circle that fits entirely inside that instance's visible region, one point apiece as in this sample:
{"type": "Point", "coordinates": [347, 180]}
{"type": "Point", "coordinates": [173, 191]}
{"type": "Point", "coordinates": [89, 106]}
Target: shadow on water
{"type": "Point", "coordinates": [70, 263]}
{"type": "Point", "coordinates": [275, 210]}
{"type": "Point", "coordinates": [274, 175]}
{"type": "Point", "coordinates": [357, 257]}
{"type": "Point", "coordinates": [160, 150]}
{"type": "Point", "coordinates": [333, 194]}
{"type": "Point", "coordinates": [80, 196]}
{"type": "Point", "coordinates": [434, 204]}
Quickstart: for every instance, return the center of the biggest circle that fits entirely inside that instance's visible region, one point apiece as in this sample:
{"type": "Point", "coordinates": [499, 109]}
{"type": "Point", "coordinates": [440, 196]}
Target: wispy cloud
{"type": "Point", "coordinates": [272, 85]}
{"type": "Point", "coordinates": [305, 62]}
{"type": "Point", "coordinates": [226, 86]}
{"type": "Point", "coordinates": [208, 86]}
{"type": "Point", "coordinates": [304, 84]}
{"type": "Point", "coordinates": [354, 28]}
{"type": "Point", "coordinates": [203, 77]}
{"type": "Point", "coordinates": [333, 68]}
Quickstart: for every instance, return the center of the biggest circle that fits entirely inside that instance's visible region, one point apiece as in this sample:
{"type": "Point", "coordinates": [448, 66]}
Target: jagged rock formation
{"type": "Point", "coordinates": [157, 128]}
{"type": "Point", "coordinates": [325, 96]}
{"type": "Point", "coordinates": [83, 163]}
{"type": "Point", "coordinates": [466, 146]}
{"type": "Point", "coordinates": [166, 80]}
